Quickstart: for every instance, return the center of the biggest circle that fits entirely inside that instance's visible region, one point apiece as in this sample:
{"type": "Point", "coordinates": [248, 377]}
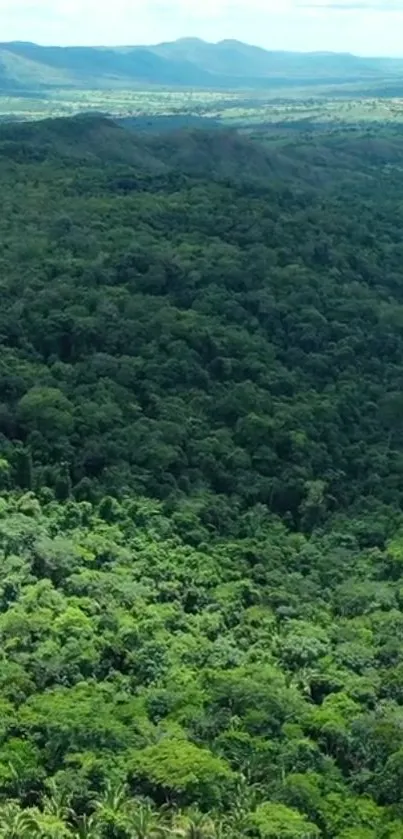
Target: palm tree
{"type": "Point", "coordinates": [138, 819]}
{"type": "Point", "coordinates": [114, 798]}
{"type": "Point", "coordinates": [112, 805]}
{"type": "Point", "coordinates": [51, 827]}
{"type": "Point", "coordinates": [194, 825]}
{"type": "Point", "coordinates": [87, 828]}
{"type": "Point", "coordinates": [143, 822]}
{"type": "Point", "coordinates": [246, 798]}
{"type": "Point", "coordinates": [16, 823]}
{"type": "Point", "coordinates": [57, 802]}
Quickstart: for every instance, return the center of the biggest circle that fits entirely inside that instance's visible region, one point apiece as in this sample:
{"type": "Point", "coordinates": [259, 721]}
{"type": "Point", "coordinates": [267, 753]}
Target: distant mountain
{"type": "Point", "coordinates": [235, 59]}
{"type": "Point", "coordinates": [189, 62]}
{"type": "Point", "coordinates": [25, 65]}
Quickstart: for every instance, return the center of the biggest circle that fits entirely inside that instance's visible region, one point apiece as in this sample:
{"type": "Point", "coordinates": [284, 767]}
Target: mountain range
{"type": "Point", "coordinates": [188, 62]}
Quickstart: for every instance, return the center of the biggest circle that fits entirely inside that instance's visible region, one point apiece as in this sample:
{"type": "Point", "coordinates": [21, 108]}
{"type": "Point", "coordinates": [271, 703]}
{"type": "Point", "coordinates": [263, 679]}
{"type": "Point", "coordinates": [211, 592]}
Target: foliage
{"type": "Point", "coordinates": [201, 501]}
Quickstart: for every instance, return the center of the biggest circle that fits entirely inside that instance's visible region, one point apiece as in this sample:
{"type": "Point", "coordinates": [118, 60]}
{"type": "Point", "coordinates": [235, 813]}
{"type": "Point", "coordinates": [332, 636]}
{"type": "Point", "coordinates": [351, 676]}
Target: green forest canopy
{"type": "Point", "coordinates": [201, 453]}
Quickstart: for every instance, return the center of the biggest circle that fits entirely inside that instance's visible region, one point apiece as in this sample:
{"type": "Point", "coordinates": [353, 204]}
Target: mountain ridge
{"type": "Point", "coordinates": [220, 154]}
{"type": "Point", "coordinates": [187, 62]}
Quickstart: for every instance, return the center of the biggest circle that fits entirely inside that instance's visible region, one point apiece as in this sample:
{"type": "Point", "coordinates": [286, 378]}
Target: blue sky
{"type": "Point", "coordinates": [366, 27]}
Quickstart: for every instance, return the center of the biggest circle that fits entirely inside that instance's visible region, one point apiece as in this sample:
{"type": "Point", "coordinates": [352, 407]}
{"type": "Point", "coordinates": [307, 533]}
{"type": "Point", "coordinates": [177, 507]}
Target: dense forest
{"type": "Point", "coordinates": [201, 475]}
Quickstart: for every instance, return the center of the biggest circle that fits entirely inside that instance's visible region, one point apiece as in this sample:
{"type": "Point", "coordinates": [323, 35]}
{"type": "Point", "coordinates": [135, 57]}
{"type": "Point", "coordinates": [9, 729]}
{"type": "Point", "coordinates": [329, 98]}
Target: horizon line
{"type": "Point", "coordinates": [195, 38]}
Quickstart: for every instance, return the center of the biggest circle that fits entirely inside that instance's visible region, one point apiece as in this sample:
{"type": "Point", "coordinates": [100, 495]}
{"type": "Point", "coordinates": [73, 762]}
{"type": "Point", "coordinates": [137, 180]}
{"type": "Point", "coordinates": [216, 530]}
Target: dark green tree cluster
{"type": "Point", "coordinates": [173, 335]}
{"type": "Point", "coordinates": [201, 456]}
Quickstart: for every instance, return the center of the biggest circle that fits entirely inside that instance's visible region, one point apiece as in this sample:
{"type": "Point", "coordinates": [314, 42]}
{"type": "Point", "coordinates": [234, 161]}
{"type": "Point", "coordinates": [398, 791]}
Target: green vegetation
{"type": "Point", "coordinates": [118, 103]}
{"type": "Point", "coordinates": [180, 82]}
{"type": "Point", "coordinates": [201, 509]}
{"type": "Point", "coordinates": [160, 108]}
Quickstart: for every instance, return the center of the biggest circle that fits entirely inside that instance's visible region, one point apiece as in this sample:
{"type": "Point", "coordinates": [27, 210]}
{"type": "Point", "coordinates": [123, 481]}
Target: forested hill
{"type": "Point", "coordinates": [201, 484]}
{"type": "Point", "coordinates": [172, 324]}
{"type": "Point", "coordinates": [307, 158]}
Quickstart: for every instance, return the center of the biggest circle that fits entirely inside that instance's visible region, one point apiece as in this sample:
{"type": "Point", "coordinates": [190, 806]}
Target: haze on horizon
{"type": "Point", "coordinates": [364, 27]}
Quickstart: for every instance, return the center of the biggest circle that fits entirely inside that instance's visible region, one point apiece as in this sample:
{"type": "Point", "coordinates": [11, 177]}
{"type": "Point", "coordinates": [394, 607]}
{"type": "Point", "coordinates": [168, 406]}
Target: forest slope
{"type": "Point", "coordinates": [173, 333]}
{"type": "Point", "coordinates": [201, 455]}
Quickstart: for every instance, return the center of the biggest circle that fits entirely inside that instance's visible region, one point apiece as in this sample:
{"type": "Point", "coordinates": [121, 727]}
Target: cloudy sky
{"type": "Point", "coordinates": [366, 27]}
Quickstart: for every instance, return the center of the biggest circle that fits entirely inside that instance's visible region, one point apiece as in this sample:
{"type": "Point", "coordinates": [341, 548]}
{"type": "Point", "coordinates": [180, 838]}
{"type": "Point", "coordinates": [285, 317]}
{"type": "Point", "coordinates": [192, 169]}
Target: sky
{"type": "Point", "coordinates": [365, 27]}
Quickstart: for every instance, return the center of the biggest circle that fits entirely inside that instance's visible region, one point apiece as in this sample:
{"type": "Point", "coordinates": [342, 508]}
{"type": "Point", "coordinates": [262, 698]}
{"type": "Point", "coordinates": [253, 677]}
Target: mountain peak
{"type": "Point", "coordinates": [186, 63]}
{"type": "Point", "coordinates": [189, 40]}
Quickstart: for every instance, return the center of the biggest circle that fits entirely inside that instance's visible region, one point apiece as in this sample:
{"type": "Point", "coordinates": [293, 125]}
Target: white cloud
{"type": "Point", "coordinates": [353, 6]}
{"type": "Point", "coordinates": [374, 26]}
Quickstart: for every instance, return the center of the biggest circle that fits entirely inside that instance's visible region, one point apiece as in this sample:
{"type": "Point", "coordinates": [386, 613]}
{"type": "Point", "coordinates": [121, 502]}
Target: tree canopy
{"type": "Point", "coordinates": [201, 528]}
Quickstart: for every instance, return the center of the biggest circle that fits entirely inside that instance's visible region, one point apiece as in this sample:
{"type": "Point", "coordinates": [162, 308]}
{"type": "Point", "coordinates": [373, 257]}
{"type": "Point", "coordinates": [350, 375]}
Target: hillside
{"type": "Point", "coordinates": [216, 214]}
{"type": "Point", "coordinates": [201, 494]}
{"type": "Point", "coordinates": [306, 159]}
{"type": "Point", "coordinates": [30, 66]}
{"type": "Point", "coordinates": [189, 62]}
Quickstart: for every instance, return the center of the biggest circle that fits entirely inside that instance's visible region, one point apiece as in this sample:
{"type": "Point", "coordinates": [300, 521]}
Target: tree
{"type": "Point", "coordinates": [194, 825]}
{"type": "Point", "coordinates": [16, 823]}
{"type": "Point", "coordinates": [63, 483]}
{"type": "Point", "coordinates": [276, 821]}
{"type": "Point", "coordinates": [183, 771]}
{"type": "Point", "coordinates": [47, 410]}
{"type": "Point", "coordinates": [87, 827]}
{"type": "Point", "coordinates": [112, 807]}
{"type": "Point", "coordinates": [57, 802]}
{"type": "Point", "coordinates": [23, 468]}
{"type": "Point", "coordinates": [144, 822]}
{"type": "Point", "coordinates": [313, 508]}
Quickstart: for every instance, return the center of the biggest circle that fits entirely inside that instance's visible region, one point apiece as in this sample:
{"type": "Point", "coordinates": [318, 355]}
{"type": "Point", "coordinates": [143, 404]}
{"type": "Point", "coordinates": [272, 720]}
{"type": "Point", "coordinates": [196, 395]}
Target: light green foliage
{"type": "Point", "coordinates": [185, 770]}
{"type": "Point", "coordinates": [275, 821]}
{"type": "Point", "coordinates": [111, 675]}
